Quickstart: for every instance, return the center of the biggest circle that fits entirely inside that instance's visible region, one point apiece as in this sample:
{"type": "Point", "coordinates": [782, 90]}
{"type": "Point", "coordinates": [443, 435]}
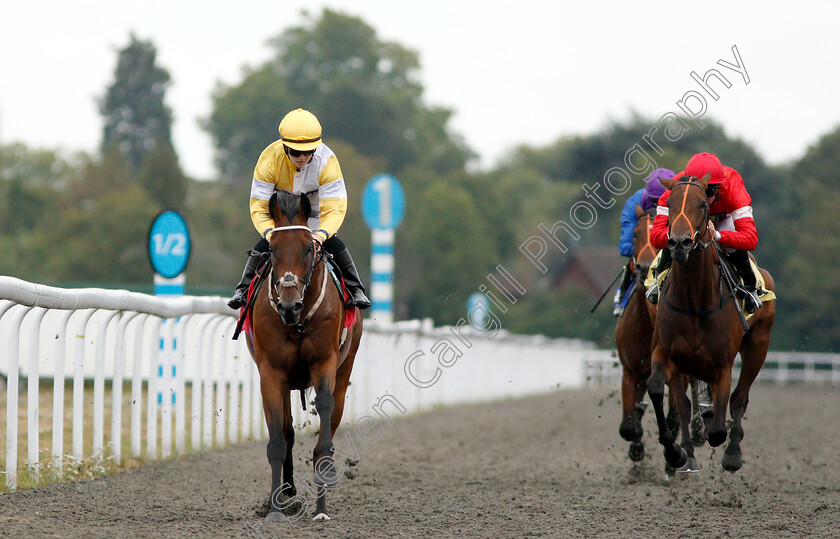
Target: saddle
{"type": "Point", "coordinates": [625, 300]}
{"type": "Point", "coordinates": [727, 272]}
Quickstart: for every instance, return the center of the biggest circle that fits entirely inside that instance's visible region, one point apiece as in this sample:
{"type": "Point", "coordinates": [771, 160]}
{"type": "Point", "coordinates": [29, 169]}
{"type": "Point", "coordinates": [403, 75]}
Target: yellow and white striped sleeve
{"type": "Point", "coordinates": [262, 187]}
{"type": "Point", "coordinates": [332, 197]}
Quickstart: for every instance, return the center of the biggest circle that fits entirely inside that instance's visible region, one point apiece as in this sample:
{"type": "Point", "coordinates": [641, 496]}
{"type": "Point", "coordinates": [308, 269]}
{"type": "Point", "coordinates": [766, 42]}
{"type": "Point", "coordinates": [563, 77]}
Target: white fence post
{"type": "Point", "coordinates": [79, 383]}
{"type": "Point", "coordinates": [99, 387]}
{"type": "Point", "coordinates": [137, 387]}
{"type": "Point", "coordinates": [151, 394]}
{"type": "Point", "coordinates": [12, 382]}
{"type": "Point", "coordinates": [58, 391]}
{"type": "Point", "coordinates": [32, 395]}
{"type": "Point", "coordinates": [117, 385]}
{"type": "Point", "coordinates": [178, 361]}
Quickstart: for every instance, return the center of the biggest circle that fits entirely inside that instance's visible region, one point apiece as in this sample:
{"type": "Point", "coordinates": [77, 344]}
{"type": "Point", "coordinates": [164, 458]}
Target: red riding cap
{"type": "Point", "coordinates": [704, 163]}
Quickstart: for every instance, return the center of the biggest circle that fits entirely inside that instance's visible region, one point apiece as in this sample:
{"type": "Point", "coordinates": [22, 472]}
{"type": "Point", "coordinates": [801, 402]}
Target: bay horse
{"type": "Point", "coordinates": [698, 330]}
{"type": "Point", "coordinates": [633, 334]}
{"type": "Point", "coordinates": [297, 321]}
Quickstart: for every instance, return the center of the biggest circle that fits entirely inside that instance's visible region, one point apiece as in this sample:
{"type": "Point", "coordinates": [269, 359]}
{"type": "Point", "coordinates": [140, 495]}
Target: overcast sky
{"type": "Point", "coordinates": [513, 72]}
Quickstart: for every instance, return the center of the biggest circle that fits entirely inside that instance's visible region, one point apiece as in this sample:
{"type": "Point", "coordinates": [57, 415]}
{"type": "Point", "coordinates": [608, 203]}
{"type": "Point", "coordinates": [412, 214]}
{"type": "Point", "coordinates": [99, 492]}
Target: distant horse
{"type": "Point", "coordinates": [698, 330]}
{"type": "Point", "coordinates": [297, 321]}
{"type": "Point", "coordinates": [633, 333]}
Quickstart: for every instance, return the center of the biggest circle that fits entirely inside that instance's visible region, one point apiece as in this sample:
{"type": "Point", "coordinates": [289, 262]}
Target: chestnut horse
{"type": "Point", "coordinates": [698, 330]}
{"type": "Point", "coordinates": [633, 333]}
{"type": "Point", "coordinates": [297, 321]}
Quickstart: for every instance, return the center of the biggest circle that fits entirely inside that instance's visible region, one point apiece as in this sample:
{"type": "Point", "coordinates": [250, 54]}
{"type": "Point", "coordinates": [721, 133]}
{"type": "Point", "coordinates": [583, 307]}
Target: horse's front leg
{"type": "Point", "coordinates": [716, 431]}
{"type": "Point", "coordinates": [753, 352]}
{"type": "Point", "coordinates": [326, 475]}
{"type": "Point", "coordinates": [675, 455]}
{"type": "Point", "coordinates": [273, 387]}
{"type": "Point", "coordinates": [683, 404]}
{"type": "Point", "coordinates": [632, 392]}
{"type": "Point", "coordinates": [288, 489]}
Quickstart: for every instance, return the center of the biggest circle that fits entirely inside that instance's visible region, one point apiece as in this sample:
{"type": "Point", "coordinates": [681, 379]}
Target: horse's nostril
{"type": "Point", "coordinates": [686, 243]}
{"type": "Point", "coordinates": [671, 243]}
{"type": "Point", "coordinates": [297, 307]}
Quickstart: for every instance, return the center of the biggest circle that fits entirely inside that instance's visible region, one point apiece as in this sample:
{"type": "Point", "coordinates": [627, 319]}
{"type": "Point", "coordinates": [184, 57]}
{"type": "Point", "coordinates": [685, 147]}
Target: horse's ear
{"type": "Point", "coordinates": [639, 211]}
{"type": "Point", "coordinates": [667, 182]}
{"type": "Point", "coordinates": [272, 206]}
{"type": "Point", "coordinates": [704, 181]}
{"type": "Point", "coordinates": [305, 207]}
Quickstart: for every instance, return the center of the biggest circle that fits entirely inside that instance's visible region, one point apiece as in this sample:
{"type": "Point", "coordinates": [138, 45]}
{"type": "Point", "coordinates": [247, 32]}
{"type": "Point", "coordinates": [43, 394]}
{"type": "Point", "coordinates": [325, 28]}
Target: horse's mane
{"type": "Point", "coordinates": [289, 205]}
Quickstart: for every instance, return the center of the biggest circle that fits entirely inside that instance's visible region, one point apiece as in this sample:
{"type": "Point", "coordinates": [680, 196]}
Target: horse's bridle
{"type": "Point", "coordinates": [697, 243]}
{"type": "Point", "coordinates": [648, 243]}
{"type": "Point", "coordinates": [290, 280]}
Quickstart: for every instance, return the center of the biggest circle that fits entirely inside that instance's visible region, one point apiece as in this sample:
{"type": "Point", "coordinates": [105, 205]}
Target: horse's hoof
{"type": "Point", "coordinates": [676, 460]}
{"type": "Point", "coordinates": [636, 451]}
{"type": "Point", "coordinates": [716, 438]}
{"type": "Point", "coordinates": [627, 430]}
{"type": "Point", "coordinates": [321, 516]}
{"type": "Point", "coordinates": [690, 466]}
{"type": "Point", "coordinates": [732, 463]}
{"type": "Point", "coordinates": [276, 516]}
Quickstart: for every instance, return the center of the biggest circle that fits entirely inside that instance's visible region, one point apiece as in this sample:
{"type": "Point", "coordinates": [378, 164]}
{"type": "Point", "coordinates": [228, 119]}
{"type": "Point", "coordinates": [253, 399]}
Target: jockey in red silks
{"type": "Point", "coordinates": [732, 223]}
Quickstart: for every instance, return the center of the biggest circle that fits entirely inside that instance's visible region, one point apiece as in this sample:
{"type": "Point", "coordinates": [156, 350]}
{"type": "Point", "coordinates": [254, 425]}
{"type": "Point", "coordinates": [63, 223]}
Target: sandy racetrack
{"type": "Point", "coordinates": [552, 465]}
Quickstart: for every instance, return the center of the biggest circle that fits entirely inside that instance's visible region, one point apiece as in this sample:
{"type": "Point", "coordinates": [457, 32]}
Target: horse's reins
{"type": "Point", "coordinates": [290, 280]}
{"type": "Point", "coordinates": [702, 245]}
{"type": "Point", "coordinates": [697, 244]}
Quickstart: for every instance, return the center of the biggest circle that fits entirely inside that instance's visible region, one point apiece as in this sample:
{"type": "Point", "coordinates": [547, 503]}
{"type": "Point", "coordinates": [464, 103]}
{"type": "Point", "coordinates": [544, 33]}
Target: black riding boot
{"type": "Point", "coordinates": [351, 278]}
{"type": "Point", "coordinates": [741, 262]}
{"type": "Point", "coordinates": [240, 297]}
{"type": "Point", "coordinates": [664, 263]}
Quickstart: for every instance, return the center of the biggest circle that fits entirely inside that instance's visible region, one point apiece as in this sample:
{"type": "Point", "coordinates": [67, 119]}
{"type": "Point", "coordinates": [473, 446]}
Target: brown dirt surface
{"type": "Point", "coordinates": [545, 466]}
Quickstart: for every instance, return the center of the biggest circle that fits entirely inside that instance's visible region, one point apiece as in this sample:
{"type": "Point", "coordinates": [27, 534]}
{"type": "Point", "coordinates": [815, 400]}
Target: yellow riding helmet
{"type": "Point", "coordinates": [300, 130]}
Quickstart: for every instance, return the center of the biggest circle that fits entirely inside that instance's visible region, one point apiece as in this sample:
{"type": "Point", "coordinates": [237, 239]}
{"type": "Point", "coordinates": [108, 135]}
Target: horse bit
{"type": "Point", "coordinates": [697, 244]}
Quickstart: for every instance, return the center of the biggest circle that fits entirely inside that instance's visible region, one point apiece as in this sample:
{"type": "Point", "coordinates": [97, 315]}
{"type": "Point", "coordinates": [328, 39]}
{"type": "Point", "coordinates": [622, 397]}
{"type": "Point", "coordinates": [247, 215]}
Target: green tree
{"type": "Point", "coordinates": [244, 120]}
{"type": "Point", "coordinates": [452, 253]}
{"type": "Point", "coordinates": [136, 117]}
{"type": "Point", "coordinates": [808, 286]}
{"type": "Point", "coordinates": [29, 180]}
{"type": "Point", "coordinates": [102, 241]}
{"type": "Point", "coordinates": [138, 123]}
{"type": "Point", "coordinates": [364, 91]}
{"type": "Point", "coordinates": [161, 176]}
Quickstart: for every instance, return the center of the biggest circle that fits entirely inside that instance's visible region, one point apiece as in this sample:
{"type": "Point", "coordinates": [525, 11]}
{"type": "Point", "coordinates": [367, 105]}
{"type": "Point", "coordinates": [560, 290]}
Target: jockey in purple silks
{"type": "Point", "coordinates": [647, 198]}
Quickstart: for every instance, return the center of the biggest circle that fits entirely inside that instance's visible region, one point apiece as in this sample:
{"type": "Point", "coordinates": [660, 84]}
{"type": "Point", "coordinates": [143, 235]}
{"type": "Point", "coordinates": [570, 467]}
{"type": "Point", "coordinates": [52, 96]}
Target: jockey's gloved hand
{"type": "Point", "coordinates": [715, 233]}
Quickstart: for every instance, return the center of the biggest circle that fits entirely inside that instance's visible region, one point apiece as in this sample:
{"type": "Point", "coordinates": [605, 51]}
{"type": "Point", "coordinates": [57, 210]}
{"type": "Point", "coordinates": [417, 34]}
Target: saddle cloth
{"type": "Point", "coordinates": [350, 312]}
{"type": "Point", "coordinates": [766, 296]}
